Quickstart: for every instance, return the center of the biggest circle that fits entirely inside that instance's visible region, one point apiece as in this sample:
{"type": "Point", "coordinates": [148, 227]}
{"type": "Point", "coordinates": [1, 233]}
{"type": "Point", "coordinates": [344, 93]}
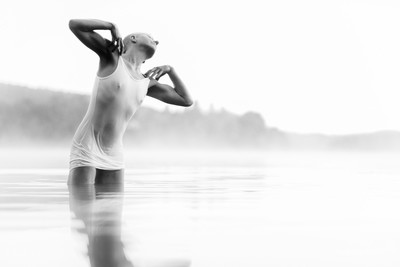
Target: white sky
{"type": "Point", "coordinates": [307, 66]}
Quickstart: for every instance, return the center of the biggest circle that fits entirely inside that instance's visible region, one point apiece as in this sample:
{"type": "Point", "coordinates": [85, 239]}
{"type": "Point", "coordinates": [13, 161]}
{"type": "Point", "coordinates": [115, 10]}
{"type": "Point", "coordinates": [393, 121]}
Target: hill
{"type": "Point", "coordinates": [46, 117]}
{"type": "Point", "coordinates": [50, 117]}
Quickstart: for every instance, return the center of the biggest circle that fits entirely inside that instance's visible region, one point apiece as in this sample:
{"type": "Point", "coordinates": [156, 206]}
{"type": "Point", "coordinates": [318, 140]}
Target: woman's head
{"type": "Point", "coordinates": [142, 43]}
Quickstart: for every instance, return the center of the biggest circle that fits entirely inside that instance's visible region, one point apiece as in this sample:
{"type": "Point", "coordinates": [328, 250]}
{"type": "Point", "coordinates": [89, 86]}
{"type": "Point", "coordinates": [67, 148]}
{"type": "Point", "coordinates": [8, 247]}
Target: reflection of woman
{"type": "Point", "coordinates": [99, 207]}
{"type": "Point", "coordinates": [119, 89]}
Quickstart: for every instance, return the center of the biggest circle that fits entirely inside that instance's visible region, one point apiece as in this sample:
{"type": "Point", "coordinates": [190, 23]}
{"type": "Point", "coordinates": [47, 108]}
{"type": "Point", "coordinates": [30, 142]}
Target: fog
{"type": "Point", "coordinates": [46, 118]}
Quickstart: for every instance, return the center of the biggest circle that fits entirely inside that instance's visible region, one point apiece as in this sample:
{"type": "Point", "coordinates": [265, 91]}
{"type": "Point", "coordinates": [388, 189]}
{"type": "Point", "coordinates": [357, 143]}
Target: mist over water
{"type": "Point", "coordinates": [188, 208]}
{"type": "Point", "coordinates": [49, 118]}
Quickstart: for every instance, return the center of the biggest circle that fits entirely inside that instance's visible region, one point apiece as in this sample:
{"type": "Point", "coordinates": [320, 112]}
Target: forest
{"type": "Point", "coordinates": [41, 116]}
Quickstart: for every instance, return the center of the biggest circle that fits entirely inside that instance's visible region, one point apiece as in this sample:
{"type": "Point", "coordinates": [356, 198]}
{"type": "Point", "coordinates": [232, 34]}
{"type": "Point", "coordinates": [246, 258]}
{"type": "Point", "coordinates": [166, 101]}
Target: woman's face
{"type": "Point", "coordinates": [146, 39]}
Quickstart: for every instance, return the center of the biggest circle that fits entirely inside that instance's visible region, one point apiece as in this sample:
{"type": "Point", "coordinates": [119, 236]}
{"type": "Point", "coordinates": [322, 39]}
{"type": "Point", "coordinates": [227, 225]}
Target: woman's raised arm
{"type": "Point", "coordinates": [84, 30]}
{"type": "Point", "coordinates": [177, 95]}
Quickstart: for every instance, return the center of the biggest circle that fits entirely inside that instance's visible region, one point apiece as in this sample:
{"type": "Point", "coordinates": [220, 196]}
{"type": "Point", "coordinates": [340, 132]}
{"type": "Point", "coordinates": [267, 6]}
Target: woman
{"type": "Point", "coordinates": [119, 89]}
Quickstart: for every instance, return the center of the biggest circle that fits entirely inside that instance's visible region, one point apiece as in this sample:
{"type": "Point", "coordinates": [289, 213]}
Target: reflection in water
{"type": "Point", "coordinates": [305, 210]}
{"type": "Point", "coordinates": [99, 207]}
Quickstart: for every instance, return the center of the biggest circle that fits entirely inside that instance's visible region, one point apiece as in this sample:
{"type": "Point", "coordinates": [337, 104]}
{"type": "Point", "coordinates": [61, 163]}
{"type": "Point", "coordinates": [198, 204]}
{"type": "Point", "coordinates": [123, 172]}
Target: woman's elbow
{"type": "Point", "coordinates": [188, 103]}
{"type": "Point", "coordinates": [73, 24]}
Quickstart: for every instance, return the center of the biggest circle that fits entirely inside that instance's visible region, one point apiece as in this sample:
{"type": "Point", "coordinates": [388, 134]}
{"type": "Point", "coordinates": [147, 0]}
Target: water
{"type": "Point", "coordinates": [205, 210]}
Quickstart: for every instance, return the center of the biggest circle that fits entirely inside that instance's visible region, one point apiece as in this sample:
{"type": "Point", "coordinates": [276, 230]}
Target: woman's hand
{"type": "Point", "coordinates": [157, 72]}
{"type": "Point", "coordinates": [176, 94]}
{"type": "Point", "coordinates": [117, 39]}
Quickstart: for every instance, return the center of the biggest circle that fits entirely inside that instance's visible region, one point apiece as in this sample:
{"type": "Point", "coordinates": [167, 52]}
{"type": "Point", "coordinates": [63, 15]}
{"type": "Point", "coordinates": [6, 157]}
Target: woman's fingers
{"type": "Point", "coordinates": [161, 74]}
{"type": "Point", "coordinates": [114, 47]}
{"type": "Point", "coordinates": [117, 44]}
{"type": "Point", "coordinates": [156, 73]}
{"type": "Point", "coordinates": [122, 46]}
{"type": "Point", "coordinates": [152, 70]}
{"type": "Point", "coordinates": [153, 73]}
{"type": "Point", "coordinates": [149, 73]}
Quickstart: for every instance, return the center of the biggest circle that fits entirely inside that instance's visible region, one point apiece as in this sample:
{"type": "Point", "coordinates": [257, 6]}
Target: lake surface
{"type": "Point", "coordinates": [204, 210]}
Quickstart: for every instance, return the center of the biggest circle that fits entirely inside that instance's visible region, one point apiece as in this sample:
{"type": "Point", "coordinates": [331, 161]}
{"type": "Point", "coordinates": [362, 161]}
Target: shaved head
{"type": "Point", "coordinates": [143, 41]}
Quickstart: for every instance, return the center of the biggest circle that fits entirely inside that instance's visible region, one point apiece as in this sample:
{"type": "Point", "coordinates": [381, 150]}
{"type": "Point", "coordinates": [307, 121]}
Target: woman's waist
{"type": "Point", "coordinates": [106, 137]}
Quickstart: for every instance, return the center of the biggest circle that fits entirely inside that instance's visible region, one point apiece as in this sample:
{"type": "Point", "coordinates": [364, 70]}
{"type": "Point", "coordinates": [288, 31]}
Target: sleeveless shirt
{"type": "Point", "coordinates": [98, 140]}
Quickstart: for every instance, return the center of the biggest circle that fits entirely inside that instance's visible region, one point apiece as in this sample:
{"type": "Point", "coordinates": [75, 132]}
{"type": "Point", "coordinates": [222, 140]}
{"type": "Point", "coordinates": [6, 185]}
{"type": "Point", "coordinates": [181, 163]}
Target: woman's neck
{"type": "Point", "coordinates": [135, 60]}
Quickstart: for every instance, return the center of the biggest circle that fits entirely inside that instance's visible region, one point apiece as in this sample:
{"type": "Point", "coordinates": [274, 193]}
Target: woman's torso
{"type": "Point", "coordinates": [114, 100]}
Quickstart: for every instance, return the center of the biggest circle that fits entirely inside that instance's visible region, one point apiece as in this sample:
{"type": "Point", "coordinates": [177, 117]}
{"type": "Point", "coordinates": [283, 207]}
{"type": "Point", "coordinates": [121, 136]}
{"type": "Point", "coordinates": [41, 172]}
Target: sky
{"type": "Point", "coordinates": [307, 66]}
